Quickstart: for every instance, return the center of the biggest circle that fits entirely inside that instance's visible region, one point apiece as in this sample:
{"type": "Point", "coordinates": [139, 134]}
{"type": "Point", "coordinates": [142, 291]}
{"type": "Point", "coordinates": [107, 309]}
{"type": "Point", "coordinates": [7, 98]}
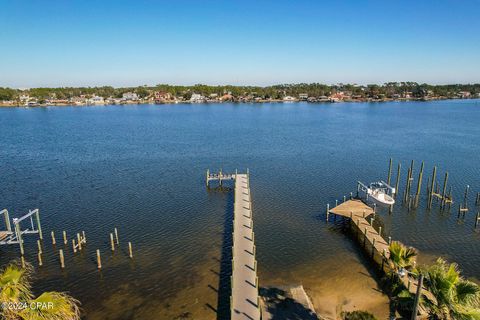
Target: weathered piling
{"type": "Point", "coordinates": [74, 246]}
{"type": "Point", "coordinates": [419, 184]}
{"type": "Point", "coordinates": [130, 252]}
{"type": "Point", "coordinates": [62, 259]}
{"type": "Point", "coordinates": [116, 236]}
{"type": "Point", "coordinates": [39, 245]}
{"type": "Point", "coordinates": [444, 191]}
{"type": "Point", "coordinates": [53, 238]}
{"type": "Point", "coordinates": [112, 244]}
{"type": "Point", "coordinates": [397, 183]}
{"type": "Point", "coordinates": [99, 260]}
{"type": "Point", "coordinates": [40, 262]}
{"type": "Point", "coordinates": [389, 171]}
{"type": "Point", "coordinates": [432, 187]}
{"type": "Point", "coordinates": [65, 240]}
{"type": "Point", "coordinates": [79, 241]}
{"type": "Point", "coordinates": [477, 219]}
{"type": "Point", "coordinates": [328, 210]}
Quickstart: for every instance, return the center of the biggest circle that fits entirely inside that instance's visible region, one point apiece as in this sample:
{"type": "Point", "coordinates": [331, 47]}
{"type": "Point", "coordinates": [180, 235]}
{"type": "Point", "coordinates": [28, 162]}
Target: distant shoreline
{"type": "Point", "coordinates": [173, 102]}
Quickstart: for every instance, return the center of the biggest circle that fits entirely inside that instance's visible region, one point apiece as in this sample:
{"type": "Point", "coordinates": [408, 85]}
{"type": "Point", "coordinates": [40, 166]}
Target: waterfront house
{"type": "Point", "coordinates": [289, 99]}
{"type": "Point", "coordinates": [130, 96]}
{"type": "Point", "coordinates": [197, 98]}
{"type": "Point", "coordinates": [162, 97]}
{"type": "Point", "coordinates": [303, 96]}
{"type": "Point", "coordinates": [95, 100]}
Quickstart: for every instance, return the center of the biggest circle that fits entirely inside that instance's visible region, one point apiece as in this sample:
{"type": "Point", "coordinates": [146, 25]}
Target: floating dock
{"type": "Point", "coordinates": [244, 299]}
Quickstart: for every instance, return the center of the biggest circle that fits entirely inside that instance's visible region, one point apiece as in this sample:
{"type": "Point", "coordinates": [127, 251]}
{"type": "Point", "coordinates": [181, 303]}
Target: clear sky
{"type": "Point", "coordinates": [257, 42]}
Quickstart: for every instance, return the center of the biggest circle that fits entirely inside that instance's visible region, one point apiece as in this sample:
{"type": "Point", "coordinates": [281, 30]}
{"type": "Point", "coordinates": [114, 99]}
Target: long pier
{"type": "Point", "coordinates": [362, 217]}
{"type": "Point", "coordinates": [244, 299]}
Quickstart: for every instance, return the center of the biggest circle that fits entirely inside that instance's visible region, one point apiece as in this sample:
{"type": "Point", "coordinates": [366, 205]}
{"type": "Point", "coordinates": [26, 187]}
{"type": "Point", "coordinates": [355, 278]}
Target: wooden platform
{"type": "Point", "coordinates": [244, 299]}
{"type": "Point", "coordinates": [360, 214]}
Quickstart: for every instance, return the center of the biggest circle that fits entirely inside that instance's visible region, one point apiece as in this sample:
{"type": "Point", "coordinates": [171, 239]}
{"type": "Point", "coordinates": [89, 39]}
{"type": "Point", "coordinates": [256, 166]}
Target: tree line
{"type": "Point", "coordinates": [389, 89]}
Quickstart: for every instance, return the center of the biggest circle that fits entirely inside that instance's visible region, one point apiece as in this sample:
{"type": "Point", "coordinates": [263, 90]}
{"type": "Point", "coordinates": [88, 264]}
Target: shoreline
{"type": "Point", "coordinates": [173, 102]}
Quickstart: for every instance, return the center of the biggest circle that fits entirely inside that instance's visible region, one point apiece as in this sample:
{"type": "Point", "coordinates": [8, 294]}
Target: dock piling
{"type": "Point", "coordinates": [62, 259]}
{"type": "Point", "coordinates": [112, 244]}
{"type": "Point", "coordinates": [40, 262]}
{"type": "Point", "coordinates": [99, 260]}
{"type": "Point", "coordinates": [53, 238]}
{"type": "Point", "coordinates": [130, 252]}
{"type": "Point", "coordinates": [65, 241]}
{"type": "Point", "coordinates": [389, 171]}
{"type": "Point", "coordinates": [116, 236]}
{"type": "Point", "coordinates": [397, 183]}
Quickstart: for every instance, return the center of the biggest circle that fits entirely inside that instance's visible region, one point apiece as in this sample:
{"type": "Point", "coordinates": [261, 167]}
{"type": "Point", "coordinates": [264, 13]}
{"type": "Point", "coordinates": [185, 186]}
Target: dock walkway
{"type": "Point", "coordinates": [244, 299]}
{"type": "Point", "coordinates": [360, 215]}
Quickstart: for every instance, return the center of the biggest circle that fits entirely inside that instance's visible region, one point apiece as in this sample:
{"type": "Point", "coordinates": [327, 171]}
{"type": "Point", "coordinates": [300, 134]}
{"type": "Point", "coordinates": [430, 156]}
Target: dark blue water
{"type": "Point", "coordinates": [141, 169]}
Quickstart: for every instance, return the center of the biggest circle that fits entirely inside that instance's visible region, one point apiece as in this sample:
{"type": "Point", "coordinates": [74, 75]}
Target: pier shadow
{"type": "Point", "coordinates": [282, 307]}
{"type": "Point", "coordinates": [224, 282]}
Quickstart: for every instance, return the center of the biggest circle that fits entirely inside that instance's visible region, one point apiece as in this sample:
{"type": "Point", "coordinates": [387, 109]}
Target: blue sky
{"type": "Point", "coordinates": [262, 42]}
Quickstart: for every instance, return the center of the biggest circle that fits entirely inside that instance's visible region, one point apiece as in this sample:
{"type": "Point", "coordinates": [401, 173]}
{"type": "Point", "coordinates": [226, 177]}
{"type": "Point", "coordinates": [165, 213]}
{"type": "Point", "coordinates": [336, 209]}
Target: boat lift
{"type": "Point", "coordinates": [9, 236]}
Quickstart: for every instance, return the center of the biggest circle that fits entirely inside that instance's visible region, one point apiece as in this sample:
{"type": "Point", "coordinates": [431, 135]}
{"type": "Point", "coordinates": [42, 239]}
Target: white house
{"type": "Point", "coordinates": [197, 98]}
{"type": "Point", "coordinates": [96, 100]}
{"type": "Point", "coordinates": [130, 96]}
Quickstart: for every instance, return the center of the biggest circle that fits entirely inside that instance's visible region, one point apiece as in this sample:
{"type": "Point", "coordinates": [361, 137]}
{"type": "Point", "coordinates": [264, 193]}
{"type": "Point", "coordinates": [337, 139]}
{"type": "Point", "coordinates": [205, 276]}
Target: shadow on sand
{"type": "Point", "coordinates": [282, 307]}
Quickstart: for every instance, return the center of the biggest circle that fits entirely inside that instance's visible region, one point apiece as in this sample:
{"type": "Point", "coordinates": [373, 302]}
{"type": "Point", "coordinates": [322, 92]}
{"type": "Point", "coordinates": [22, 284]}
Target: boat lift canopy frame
{"type": "Point", "coordinates": [16, 236]}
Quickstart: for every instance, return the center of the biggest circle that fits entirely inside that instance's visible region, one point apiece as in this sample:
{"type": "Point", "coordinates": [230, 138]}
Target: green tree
{"type": "Point", "coordinates": [401, 256]}
{"type": "Point", "coordinates": [457, 298]}
{"type": "Point", "coordinates": [15, 290]}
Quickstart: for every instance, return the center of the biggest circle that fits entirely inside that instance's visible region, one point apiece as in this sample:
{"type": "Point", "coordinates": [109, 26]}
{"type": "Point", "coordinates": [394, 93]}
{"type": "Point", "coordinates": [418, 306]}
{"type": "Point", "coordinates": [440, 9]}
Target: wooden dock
{"type": "Point", "coordinates": [244, 300]}
{"type": "Point", "coordinates": [361, 216]}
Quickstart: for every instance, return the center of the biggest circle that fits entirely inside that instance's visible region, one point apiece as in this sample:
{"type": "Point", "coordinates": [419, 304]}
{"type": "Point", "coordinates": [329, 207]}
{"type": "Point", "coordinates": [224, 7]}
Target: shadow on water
{"type": "Point", "coordinates": [282, 307]}
{"type": "Point", "coordinates": [224, 285]}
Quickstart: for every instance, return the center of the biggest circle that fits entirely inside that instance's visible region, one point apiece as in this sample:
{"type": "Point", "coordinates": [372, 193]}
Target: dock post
{"type": "Point", "coordinates": [444, 191]}
{"type": "Point", "coordinates": [389, 171]}
{"type": "Point", "coordinates": [40, 262]}
{"type": "Point", "coordinates": [477, 218]}
{"type": "Point", "coordinates": [432, 187]}
{"type": "Point", "coordinates": [39, 245]}
{"type": "Point", "coordinates": [477, 200]}
{"type": "Point", "coordinates": [83, 237]}
{"type": "Point", "coordinates": [380, 231]}
{"type": "Point", "coordinates": [74, 246]}
{"type": "Point", "coordinates": [112, 244]}
{"type": "Point", "coordinates": [53, 238]}
{"type": "Point", "coordinates": [23, 262]}
{"type": "Point", "coordinates": [65, 241]}
{"type": "Point", "coordinates": [344, 198]}
{"type": "Point", "coordinates": [116, 235]}
{"type": "Point", "coordinates": [465, 197]}
{"type": "Point", "coordinates": [365, 238]}
{"type": "Point", "coordinates": [373, 248]}
{"type": "Point", "coordinates": [130, 252]}
{"type": "Point", "coordinates": [419, 184]}
{"type": "Point", "coordinates": [336, 202]}
{"type": "Point", "coordinates": [358, 188]}
{"type": "Point", "coordinates": [19, 236]}
{"type": "Point", "coordinates": [62, 259]}
{"type": "Point", "coordinates": [328, 209]}
{"type": "Point", "coordinates": [39, 225]}
{"type": "Point", "coordinates": [79, 241]}
{"type": "Point", "coordinates": [99, 260]}
{"type": "Point", "coordinates": [406, 186]}
{"type": "Point", "coordinates": [389, 240]}
{"type": "Point", "coordinates": [397, 183]}
{"type": "Point", "coordinates": [351, 195]}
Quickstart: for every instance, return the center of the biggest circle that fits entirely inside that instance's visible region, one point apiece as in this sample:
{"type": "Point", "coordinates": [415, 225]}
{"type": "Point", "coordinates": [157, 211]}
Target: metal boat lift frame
{"type": "Point", "coordinates": [16, 235]}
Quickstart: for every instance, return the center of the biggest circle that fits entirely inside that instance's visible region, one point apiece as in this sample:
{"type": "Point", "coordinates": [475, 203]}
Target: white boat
{"type": "Point", "coordinates": [379, 192]}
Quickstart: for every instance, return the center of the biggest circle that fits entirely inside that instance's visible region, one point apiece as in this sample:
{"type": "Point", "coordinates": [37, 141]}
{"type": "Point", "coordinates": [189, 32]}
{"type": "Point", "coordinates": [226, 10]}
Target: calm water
{"type": "Point", "coordinates": [141, 169]}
